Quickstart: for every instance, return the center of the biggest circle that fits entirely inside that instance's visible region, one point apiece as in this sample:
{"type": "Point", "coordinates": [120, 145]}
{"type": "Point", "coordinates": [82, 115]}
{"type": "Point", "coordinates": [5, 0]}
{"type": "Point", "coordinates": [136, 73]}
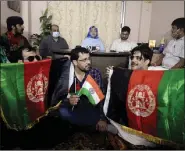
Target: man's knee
{"type": "Point", "coordinates": [65, 113]}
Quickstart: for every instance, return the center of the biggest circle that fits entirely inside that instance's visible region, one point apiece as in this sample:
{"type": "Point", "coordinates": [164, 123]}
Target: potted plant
{"type": "Point", "coordinates": [45, 21]}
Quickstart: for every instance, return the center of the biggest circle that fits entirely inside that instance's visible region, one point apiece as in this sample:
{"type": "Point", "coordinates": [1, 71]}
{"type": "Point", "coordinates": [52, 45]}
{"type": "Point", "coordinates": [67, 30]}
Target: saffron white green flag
{"type": "Point", "coordinates": [91, 89]}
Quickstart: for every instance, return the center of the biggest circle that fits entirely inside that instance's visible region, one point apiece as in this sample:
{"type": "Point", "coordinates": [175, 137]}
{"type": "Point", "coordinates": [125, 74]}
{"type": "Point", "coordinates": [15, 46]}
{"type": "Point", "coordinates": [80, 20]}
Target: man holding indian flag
{"type": "Point", "coordinates": [84, 103]}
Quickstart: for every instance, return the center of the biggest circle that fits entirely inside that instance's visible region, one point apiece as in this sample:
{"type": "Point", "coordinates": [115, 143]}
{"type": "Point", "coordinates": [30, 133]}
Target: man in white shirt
{"type": "Point", "coordinates": [123, 44]}
{"type": "Point", "coordinates": [173, 55]}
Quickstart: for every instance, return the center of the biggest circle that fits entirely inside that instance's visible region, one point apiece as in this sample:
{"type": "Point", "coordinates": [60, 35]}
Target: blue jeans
{"type": "Point", "coordinates": [80, 116]}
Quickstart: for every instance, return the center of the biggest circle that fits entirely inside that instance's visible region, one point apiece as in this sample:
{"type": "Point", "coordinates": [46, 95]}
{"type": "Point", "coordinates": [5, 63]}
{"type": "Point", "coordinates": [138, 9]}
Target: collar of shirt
{"type": "Point", "coordinates": [58, 39]}
{"type": "Point", "coordinates": [180, 39]}
{"type": "Point", "coordinates": [78, 82]}
{"type": "Point", "coordinates": [124, 41]}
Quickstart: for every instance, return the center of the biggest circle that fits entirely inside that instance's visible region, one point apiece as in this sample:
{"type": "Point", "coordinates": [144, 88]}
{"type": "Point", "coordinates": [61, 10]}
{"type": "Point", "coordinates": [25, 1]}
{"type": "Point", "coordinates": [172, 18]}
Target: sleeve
{"type": "Point", "coordinates": [102, 48]}
{"type": "Point", "coordinates": [66, 46]}
{"type": "Point", "coordinates": [43, 48]}
{"type": "Point", "coordinates": [66, 102]}
{"type": "Point", "coordinates": [181, 52]}
{"type": "Point", "coordinates": [113, 47]}
{"type": "Point", "coordinates": [165, 50]}
{"type": "Point", "coordinates": [167, 47]}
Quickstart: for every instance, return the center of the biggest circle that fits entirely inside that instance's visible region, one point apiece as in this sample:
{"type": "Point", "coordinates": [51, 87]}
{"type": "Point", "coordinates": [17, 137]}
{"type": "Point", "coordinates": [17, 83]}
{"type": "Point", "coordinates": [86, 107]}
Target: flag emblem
{"type": "Point", "coordinates": [91, 90]}
{"type": "Point", "coordinates": [37, 87]}
{"type": "Point", "coordinates": [141, 100]}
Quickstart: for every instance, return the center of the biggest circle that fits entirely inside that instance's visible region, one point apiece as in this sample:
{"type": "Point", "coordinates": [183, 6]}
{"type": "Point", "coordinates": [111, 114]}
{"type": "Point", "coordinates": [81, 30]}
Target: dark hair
{"type": "Point", "coordinates": [13, 21]}
{"type": "Point", "coordinates": [179, 22]}
{"type": "Point", "coordinates": [75, 52]}
{"type": "Point", "coordinates": [30, 48]}
{"type": "Point", "coordinates": [55, 25]}
{"type": "Point", "coordinates": [146, 52]}
{"type": "Point", "coordinates": [126, 28]}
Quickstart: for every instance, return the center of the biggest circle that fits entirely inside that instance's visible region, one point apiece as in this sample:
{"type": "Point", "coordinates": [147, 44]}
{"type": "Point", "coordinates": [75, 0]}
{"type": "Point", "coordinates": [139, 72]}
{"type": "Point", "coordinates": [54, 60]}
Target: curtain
{"type": "Point", "coordinates": [75, 17]}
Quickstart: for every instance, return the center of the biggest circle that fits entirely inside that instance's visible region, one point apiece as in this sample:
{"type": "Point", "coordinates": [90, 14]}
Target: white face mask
{"type": "Point", "coordinates": [56, 34]}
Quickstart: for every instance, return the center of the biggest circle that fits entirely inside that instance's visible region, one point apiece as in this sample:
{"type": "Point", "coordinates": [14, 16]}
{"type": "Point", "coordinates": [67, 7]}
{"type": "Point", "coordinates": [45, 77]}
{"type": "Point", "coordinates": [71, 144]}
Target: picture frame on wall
{"type": "Point", "coordinates": [14, 5]}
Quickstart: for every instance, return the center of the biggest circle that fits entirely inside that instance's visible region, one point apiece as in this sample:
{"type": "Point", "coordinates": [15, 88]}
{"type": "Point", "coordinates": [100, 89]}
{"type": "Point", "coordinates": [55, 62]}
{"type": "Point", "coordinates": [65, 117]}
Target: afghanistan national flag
{"type": "Point", "coordinates": [23, 90]}
{"type": "Point", "coordinates": [150, 104]}
{"type": "Point", "coordinates": [91, 90]}
{"type": "Point", "coordinates": [58, 81]}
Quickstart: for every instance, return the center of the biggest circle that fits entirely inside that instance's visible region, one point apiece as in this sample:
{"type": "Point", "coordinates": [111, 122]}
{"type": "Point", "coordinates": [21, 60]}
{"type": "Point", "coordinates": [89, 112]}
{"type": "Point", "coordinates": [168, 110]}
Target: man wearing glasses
{"type": "Point", "coordinates": [29, 55]}
{"type": "Point", "coordinates": [140, 57]}
{"type": "Point", "coordinates": [79, 111]}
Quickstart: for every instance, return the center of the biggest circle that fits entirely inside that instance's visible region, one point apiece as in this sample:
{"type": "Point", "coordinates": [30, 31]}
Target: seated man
{"type": "Point", "coordinates": [173, 55]}
{"type": "Point", "coordinates": [13, 40]}
{"type": "Point", "coordinates": [78, 110]}
{"type": "Point", "coordinates": [123, 44]}
{"type": "Point", "coordinates": [53, 42]}
{"type": "Point", "coordinates": [141, 57]}
{"type": "Point", "coordinates": [29, 55]}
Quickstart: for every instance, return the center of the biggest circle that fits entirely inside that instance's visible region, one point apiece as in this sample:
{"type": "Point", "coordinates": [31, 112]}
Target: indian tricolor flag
{"type": "Point", "coordinates": [91, 90]}
{"type": "Point", "coordinates": [23, 90]}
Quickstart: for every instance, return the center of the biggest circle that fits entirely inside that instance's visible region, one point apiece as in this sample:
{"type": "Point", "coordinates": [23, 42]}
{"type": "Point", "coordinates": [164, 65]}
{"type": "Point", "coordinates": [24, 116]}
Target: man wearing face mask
{"type": "Point", "coordinates": [13, 41]}
{"type": "Point", "coordinates": [173, 55]}
{"type": "Point", "coordinates": [53, 42]}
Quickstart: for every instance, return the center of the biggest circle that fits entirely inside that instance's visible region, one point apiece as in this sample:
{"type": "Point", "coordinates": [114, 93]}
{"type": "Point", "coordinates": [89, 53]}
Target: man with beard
{"type": "Point", "coordinates": [78, 110]}
{"type": "Point", "coordinates": [13, 39]}
{"type": "Point", "coordinates": [173, 55]}
{"type": "Point", "coordinates": [123, 44]}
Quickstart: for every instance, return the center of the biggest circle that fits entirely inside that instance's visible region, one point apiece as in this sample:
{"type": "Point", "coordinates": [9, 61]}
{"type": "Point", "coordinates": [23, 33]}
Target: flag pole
{"type": "Point", "coordinates": [75, 92]}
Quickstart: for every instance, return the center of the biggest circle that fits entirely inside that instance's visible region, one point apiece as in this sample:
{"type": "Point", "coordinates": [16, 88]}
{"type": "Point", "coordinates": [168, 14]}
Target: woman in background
{"type": "Point", "coordinates": [92, 41]}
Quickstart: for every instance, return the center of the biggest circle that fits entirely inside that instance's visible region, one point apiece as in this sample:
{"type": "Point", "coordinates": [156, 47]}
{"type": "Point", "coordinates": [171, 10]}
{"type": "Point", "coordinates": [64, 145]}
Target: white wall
{"type": "Point", "coordinates": [36, 11]}
{"type": "Point", "coordinates": [163, 14]}
{"type": "Point", "coordinates": [5, 13]}
{"type": "Point", "coordinates": [25, 13]}
{"type": "Point", "coordinates": [31, 12]}
{"type": "Point", "coordinates": [137, 17]}
{"type": "Point", "coordinates": [132, 17]}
